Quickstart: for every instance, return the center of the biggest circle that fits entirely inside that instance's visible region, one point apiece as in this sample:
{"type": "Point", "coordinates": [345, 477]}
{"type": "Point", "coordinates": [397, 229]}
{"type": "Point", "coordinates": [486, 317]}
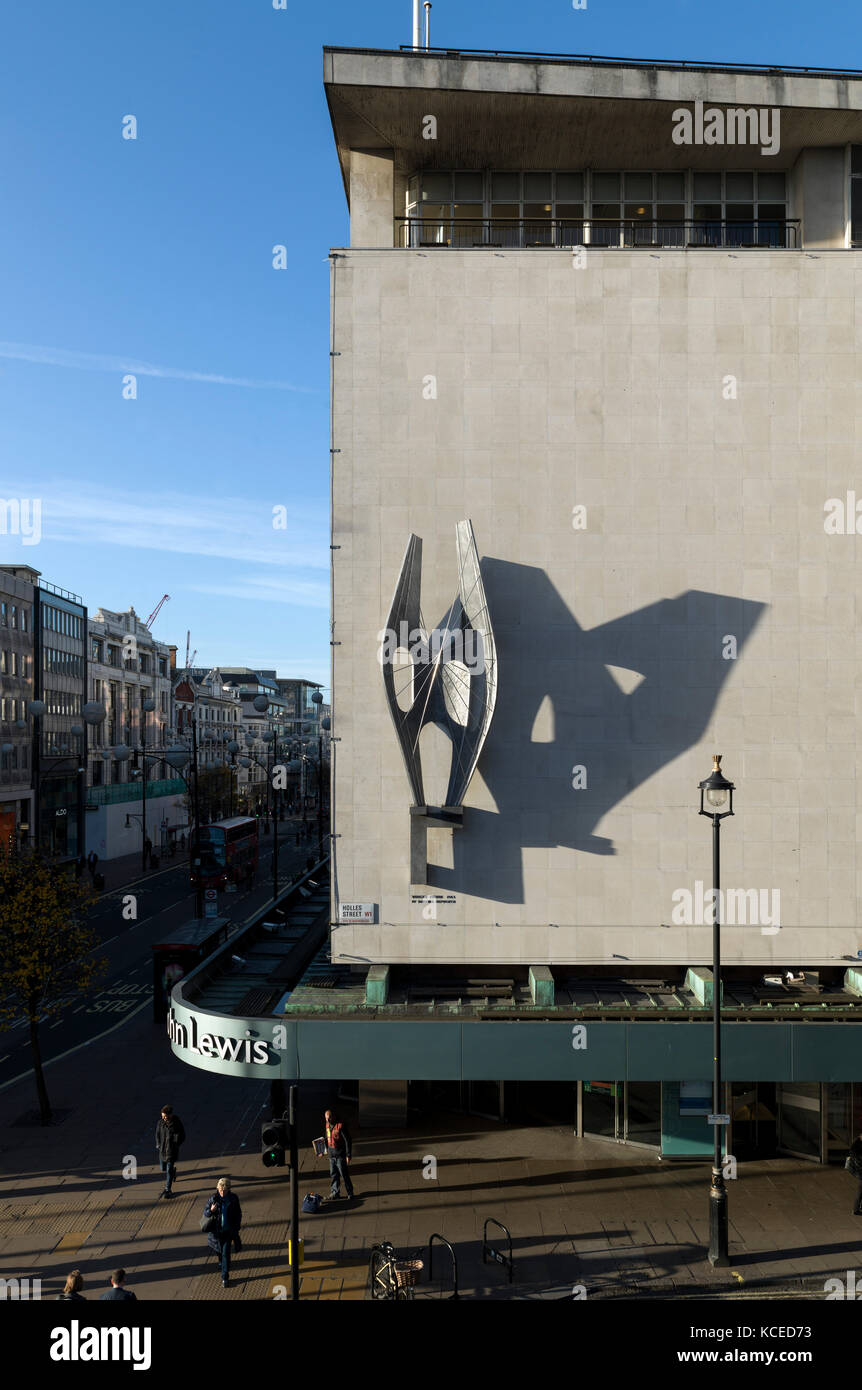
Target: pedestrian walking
{"type": "Point", "coordinates": [853, 1165]}
{"type": "Point", "coordinates": [338, 1149]}
{"type": "Point", "coordinates": [169, 1135]}
{"type": "Point", "coordinates": [92, 861]}
{"type": "Point", "coordinates": [309, 863]}
{"type": "Point", "coordinates": [79, 866]}
{"type": "Point", "coordinates": [298, 833]}
{"type": "Point", "coordinates": [117, 1292]}
{"type": "Point", "coordinates": [182, 842]}
{"type": "Point", "coordinates": [148, 849]}
{"type": "Point", "coordinates": [224, 1208]}
{"type": "Point", "coordinates": [72, 1291]}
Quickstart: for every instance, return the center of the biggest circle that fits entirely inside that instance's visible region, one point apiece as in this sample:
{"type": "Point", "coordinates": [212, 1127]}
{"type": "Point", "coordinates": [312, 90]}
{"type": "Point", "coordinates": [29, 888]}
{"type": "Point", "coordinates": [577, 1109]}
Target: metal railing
{"type": "Point", "coordinates": [61, 593]}
{"type": "Point", "coordinates": [598, 232]}
{"type": "Point", "coordinates": [596, 60]}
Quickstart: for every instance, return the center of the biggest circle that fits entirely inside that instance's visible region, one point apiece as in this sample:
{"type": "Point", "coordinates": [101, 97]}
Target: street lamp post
{"type": "Point", "coordinates": [716, 792]}
{"type": "Point", "coordinates": [147, 706]}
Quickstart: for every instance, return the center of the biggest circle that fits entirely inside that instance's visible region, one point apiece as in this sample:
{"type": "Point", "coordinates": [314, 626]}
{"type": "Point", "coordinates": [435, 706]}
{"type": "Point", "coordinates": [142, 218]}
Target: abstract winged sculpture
{"type": "Point", "coordinates": [449, 679]}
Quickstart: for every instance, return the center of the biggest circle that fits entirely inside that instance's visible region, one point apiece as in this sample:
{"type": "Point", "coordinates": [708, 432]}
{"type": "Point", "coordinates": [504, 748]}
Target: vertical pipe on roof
{"type": "Point", "coordinates": [416, 24]}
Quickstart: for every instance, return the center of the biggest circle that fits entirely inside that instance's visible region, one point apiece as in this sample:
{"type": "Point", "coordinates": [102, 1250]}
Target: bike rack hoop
{"type": "Point", "coordinates": [443, 1241]}
{"type": "Point", "coordinates": [497, 1255]}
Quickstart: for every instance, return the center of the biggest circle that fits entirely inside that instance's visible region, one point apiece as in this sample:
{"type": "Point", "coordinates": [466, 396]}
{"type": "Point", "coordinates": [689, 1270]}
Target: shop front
{"type": "Point", "coordinates": [58, 817]}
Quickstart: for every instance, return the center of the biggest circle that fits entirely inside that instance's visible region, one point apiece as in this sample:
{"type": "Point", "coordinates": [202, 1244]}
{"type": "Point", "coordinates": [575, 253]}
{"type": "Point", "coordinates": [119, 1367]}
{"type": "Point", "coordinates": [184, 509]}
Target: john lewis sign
{"type": "Point", "coordinates": [207, 1041]}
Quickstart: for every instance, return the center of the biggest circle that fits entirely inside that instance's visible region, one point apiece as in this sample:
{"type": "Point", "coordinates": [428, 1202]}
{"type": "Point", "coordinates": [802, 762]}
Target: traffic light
{"type": "Point", "coordinates": [274, 1143]}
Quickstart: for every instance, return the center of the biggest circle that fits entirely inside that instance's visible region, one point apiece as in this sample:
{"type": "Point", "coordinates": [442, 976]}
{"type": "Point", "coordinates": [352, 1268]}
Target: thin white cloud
{"type": "Point", "coordinates": [301, 593]}
{"type": "Point", "coordinates": [223, 528]}
{"type": "Point", "coordinates": [104, 362]}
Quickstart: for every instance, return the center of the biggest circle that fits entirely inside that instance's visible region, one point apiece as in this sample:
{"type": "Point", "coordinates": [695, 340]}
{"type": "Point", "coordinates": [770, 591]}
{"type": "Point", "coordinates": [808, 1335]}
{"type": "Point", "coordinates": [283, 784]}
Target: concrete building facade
{"type": "Point", "coordinates": [128, 666]}
{"type": "Point", "coordinates": [648, 410]}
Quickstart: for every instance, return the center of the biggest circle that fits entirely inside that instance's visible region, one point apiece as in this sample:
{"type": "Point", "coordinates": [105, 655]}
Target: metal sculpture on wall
{"type": "Point", "coordinates": [448, 677]}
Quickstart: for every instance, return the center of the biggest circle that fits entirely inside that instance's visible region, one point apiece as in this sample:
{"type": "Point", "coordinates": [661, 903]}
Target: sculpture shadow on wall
{"type": "Point", "coordinates": [620, 738]}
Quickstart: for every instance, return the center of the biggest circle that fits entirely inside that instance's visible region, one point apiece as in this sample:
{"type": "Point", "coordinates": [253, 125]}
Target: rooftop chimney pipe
{"type": "Point", "coordinates": [427, 23]}
{"type": "Point", "coordinates": [416, 43]}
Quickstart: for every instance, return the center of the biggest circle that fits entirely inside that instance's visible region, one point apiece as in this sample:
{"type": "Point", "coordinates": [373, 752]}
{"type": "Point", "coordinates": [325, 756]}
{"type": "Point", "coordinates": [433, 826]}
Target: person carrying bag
{"type": "Point", "coordinates": [853, 1164]}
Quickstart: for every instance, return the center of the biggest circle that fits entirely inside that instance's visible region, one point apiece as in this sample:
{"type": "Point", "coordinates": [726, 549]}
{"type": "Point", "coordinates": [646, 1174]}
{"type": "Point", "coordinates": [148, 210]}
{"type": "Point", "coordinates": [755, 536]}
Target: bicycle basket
{"type": "Point", "coordinates": [407, 1272]}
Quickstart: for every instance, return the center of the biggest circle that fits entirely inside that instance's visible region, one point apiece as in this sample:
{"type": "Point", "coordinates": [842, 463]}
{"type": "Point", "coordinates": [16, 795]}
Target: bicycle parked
{"type": "Point", "coordinates": [391, 1277]}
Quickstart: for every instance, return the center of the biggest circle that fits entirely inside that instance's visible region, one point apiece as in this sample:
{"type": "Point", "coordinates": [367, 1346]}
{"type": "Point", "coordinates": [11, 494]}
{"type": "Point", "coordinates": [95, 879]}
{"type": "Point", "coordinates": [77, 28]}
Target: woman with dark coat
{"type": "Point", "coordinates": [224, 1206]}
{"type": "Point", "coordinates": [856, 1169]}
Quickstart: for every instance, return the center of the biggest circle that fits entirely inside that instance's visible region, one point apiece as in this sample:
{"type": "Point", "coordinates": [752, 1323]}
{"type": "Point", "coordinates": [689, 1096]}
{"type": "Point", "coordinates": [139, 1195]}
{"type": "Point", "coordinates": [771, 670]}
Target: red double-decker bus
{"type": "Point", "coordinates": [227, 850]}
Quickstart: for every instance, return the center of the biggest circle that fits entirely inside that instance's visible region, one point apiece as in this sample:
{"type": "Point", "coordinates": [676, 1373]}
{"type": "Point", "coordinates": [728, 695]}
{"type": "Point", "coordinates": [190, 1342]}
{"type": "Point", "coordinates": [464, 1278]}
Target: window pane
{"type": "Point", "coordinates": [471, 211]}
{"type": "Point", "coordinates": [774, 211]}
{"type": "Point", "coordinates": [639, 186]}
{"type": "Point", "coordinates": [856, 159]}
{"type": "Point", "coordinates": [570, 212]}
{"type": "Point", "coordinates": [539, 210]}
{"type": "Point", "coordinates": [570, 187]}
{"type": "Point", "coordinates": [506, 187]}
{"type": "Point", "coordinates": [640, 212]}
{"type": "Point", "coordinates": [468, 188]}
{"type": "Point", "coordinates": [707, 212]}
{"type": "Point", "coordinates": [671, 212]}
{"type": "Point", "coordinates": [771, 186]}
{"type": "Point", "coordinates": [537, 187]}
{"type": "Point", "coordinates": [605, 186]}
{"type": "Point", "coordinates": [740, 212]}
{"type": "Point", "coordinates": [671, 185]}
{"type": "Point", "coordinates": [436, 188]}
{"type": "Point", "coordinates": [707, 186]}
{"type": "Point", "coordinates": [738, 186]}
{"type": "Point", "coordinates": [856, 211]}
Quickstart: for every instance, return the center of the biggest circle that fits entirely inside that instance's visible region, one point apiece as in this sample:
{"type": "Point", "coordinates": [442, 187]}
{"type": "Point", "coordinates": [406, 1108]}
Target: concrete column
{"type": "Point", "coordinates": [372, 198]}
{"type": "Point", "coordinates": [818, 194]}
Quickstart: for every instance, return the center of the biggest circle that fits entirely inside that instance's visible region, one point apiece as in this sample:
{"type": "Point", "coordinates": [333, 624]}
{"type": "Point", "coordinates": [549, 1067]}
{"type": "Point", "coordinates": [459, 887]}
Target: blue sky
{"type": "Point", "coordinates": [154, 256]}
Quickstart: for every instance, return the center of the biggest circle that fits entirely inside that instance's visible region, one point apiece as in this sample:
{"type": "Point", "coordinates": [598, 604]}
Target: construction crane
{"type": "Point", "coordinates": [157, 610]}
{"type": "Point", "coordinates": [189, 660]}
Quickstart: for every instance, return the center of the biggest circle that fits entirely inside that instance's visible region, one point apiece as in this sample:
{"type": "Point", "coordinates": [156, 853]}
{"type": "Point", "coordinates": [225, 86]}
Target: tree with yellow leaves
{"type": "Point", "coordinates": [46, 946]}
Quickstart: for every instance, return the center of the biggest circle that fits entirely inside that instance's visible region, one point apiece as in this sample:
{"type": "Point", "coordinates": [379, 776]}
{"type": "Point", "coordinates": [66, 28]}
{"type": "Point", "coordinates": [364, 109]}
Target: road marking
{"type": "Point", "coordinates": [77, 1048]}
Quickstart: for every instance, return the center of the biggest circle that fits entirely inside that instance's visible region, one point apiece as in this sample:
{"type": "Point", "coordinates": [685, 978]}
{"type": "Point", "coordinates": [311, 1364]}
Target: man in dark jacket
{"type": "Point", "coordinates": [224, 1207]}
{"type": "Point", "coordinates": [169, 1135]}
{"type": "Point", "coordinates": [117, 1292]}
{"type": "Point", "coordinates": [856, 1170]}
{"type": "Point", "coordinates": [338, 1148]}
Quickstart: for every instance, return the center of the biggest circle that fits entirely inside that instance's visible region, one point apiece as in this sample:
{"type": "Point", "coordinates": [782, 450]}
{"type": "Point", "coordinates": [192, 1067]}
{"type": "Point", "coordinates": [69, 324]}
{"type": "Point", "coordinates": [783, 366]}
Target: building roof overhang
{"type": "Point", "coordinates": [569, 114]}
